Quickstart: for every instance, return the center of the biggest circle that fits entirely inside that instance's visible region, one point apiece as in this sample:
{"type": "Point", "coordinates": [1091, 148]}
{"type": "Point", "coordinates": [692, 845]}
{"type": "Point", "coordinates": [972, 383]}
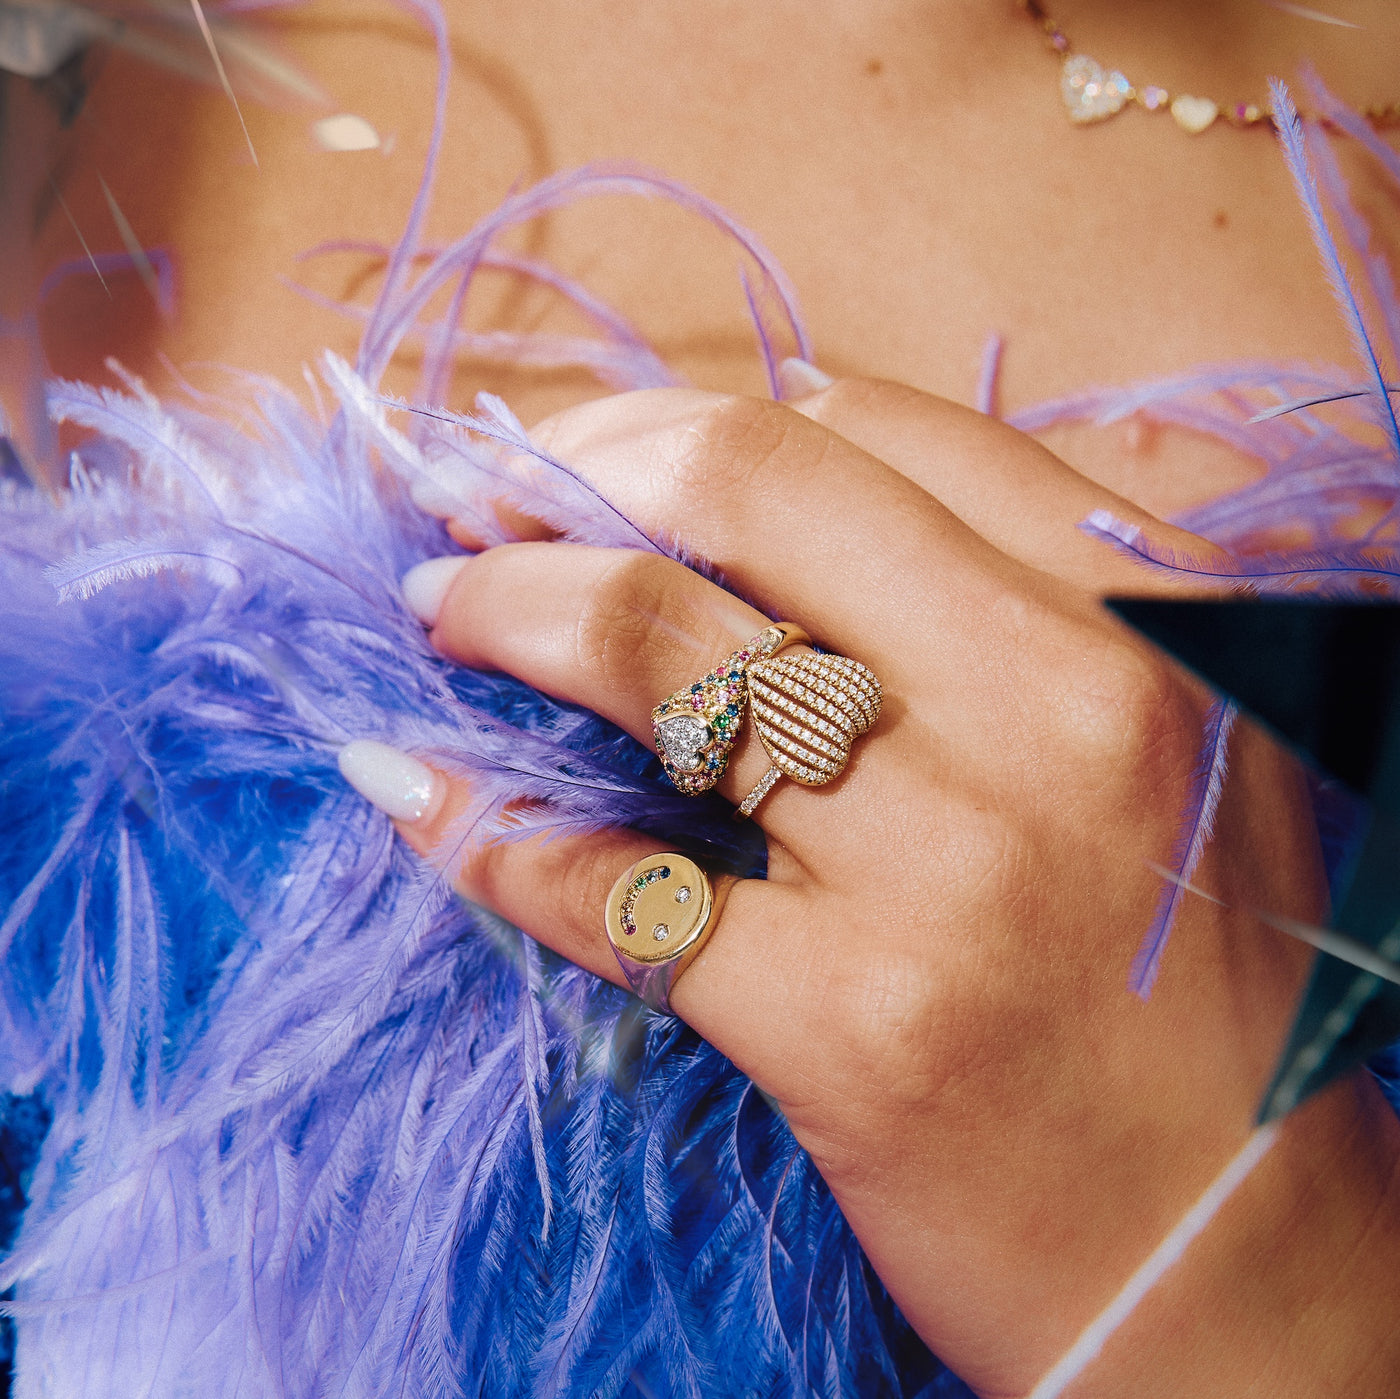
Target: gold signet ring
{"type": "Point", "coordinates": [659, 914]}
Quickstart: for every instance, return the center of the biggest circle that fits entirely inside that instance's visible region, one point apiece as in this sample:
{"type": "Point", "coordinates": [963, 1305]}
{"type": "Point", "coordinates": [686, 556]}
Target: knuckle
{"type": "Point", "coordinates": [479, 874]}
{"type": "Point", "coordinates": [584, 879]}
{"type": "Point", "coordinates": [1128, 713]}
{"type": "Point", "coordinates": [977, 879]}
{"type": "Point", "coordinates": [618, 617]}
{"type": "Point", "coordinates": [728, 446]}
{"type": "Point", "coordinates": [849, 398]}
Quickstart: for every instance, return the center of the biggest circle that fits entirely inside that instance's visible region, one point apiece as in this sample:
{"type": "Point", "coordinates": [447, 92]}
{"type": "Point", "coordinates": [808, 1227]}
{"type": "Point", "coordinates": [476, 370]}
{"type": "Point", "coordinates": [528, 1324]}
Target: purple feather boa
{"type": "Point", "coordinates": [306, 1125]}
{"type": "Point", "coordinates": [290, 1120]}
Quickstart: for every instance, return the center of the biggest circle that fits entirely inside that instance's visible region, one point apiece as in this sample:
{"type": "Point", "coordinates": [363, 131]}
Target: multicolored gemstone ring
{"type": "Point", "coordinates": [696, 728]}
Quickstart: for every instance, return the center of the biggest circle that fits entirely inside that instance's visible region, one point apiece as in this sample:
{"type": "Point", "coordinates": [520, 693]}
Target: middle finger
{"type": "Point", "coordinates": [794, 516]}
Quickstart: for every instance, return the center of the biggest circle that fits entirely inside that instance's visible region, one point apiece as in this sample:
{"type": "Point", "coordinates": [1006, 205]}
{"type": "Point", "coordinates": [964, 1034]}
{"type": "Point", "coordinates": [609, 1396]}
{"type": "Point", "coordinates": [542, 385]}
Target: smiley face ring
{"type": "Point", "coordinates": [807, 711]}
{"type": "Point", "coordinates": [659, 915]}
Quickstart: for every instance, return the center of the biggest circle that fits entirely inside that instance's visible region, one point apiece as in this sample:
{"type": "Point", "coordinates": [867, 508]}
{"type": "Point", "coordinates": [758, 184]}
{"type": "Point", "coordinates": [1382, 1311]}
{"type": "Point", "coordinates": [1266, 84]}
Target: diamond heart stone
{"type": "Point", "coordinates": [1090, 91]}
{"type": "Point", "coordinates": [696, 728]}
{"type": "Point", "coordinates": [683, 739]}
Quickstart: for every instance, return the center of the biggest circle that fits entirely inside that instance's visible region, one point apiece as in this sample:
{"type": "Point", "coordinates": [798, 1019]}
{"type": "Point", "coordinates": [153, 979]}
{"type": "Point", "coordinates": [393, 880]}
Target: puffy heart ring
{"type": "Point", "coordinates": [808, 710]}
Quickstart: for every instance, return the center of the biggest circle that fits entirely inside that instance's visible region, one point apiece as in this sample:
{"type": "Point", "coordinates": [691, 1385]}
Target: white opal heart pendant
{"type": "Point", "coordinates": [1194, 114]}
{"type": "Point", "coordinates": [1090, 91]}
{"type": "Point", "coordinates": [808, 709]}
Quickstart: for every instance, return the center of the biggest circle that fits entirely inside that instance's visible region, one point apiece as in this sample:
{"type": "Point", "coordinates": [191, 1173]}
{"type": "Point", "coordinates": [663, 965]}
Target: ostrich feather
{"type": "Point", "coordinates": [1318, 476]}
{"type": "Point", "coordinates": [120, 560]}
{"type": "Point", "coordinates": [1342, 571]}
{"type": "Point", "coordinates": [989, 377]}
{"type": "Point", "coordinates": [1292, 405]}
{"type": "Point", "coordinates": [766, 287]}
{"type": "Point", "coordinates": [316, 1127]}
{"type": "Point", "coordinates": [1197, 827]}
{"type": "Point", "coordinates": [1379, 279]}
{"type": "Point", "coordinates": [1293, 142]}
{"type": "Point", "coordinates": [1352, 124]}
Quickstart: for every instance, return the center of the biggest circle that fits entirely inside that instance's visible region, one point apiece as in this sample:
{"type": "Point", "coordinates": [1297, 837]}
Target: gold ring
{"type": "Point", "coordinates": [659, 915]}
{"type": "Point", "coordinates": [696, 728]}
{"type": "Point", "coordinates": [807, 711]}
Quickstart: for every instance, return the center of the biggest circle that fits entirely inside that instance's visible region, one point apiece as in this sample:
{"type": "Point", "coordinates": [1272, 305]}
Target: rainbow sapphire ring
{"type": "Point", "coordinates": [659, 915]}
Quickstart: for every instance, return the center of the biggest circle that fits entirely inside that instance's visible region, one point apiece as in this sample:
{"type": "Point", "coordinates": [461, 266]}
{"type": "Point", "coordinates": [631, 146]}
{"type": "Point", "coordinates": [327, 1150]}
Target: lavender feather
{"type": "Point", "coordinates": [1294, 145]}
{"type": "Point", "coordinates": [1317, 476]}
{"type": "Point", "coordinates": [1197, 826]}
{"type": "Point", "coordinates": [988, 394]}
{"type": "Point", "coordinates": [1380, 280]}
{"type": "Point", "coordinates": [1345, 570]}
{"type": "Point", "coordinates": [317, 1128]}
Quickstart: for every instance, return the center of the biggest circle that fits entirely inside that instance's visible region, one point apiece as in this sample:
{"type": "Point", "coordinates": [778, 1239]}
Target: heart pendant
{"type": "Point", "coordinates": [1194, 114]}
{"type": "Point", "coordinates": [696, 728]}
{"type": "Point", "coordinates": [1090, 91]}
{"type": "Point", "coordinates": [808, 709]}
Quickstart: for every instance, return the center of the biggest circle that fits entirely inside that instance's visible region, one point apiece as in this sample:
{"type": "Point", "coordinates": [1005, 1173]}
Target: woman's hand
{"type": "Point", "coordinates": [932, 980]}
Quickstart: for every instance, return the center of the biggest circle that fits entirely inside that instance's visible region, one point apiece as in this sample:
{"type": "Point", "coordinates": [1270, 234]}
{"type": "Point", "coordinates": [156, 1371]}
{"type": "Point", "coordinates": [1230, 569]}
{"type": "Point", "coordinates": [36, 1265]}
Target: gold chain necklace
{"type": "Point", "coordinates": [1092, 92]}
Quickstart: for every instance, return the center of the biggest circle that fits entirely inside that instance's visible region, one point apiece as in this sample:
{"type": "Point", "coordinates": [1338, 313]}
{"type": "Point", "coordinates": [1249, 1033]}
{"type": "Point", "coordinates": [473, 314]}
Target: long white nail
{"type": "Point", "coordinates": [433, 499]}
{"type": "Point", "coordinates": [797, 378]}
{"type": "Point", "coordinates": [399, 785]}
{"type": "Point", "coordinates": [425, 586]}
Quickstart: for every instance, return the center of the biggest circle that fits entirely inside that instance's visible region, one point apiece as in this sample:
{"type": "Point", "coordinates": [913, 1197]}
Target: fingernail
{"type": "Point", "coordinates": [435, 500]}
{"type": "Point", "coordinates": [797, 378]}
{"type": "Point", "coordinates": [399, 785]}
{"type": "Point", "coordinates": [425, 586]}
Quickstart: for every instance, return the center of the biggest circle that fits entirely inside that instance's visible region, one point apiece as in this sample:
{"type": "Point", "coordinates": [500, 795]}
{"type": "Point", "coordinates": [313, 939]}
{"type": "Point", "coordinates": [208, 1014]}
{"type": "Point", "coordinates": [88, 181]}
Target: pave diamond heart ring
{"type": "Point", "coordinates": [808, 710]}
{"type": "Point", "coordinates": [696, 728]}
{"type": "Point", "coordinates": [659, 914]}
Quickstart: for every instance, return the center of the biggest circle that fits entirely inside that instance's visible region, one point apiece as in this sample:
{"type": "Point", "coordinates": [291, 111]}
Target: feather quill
{"type": "Point", "coordinates": [1344, 570]}
{"type": "Point", "coordinates": [1197, 826]}
{"type": "Point", "coordinates": [1295, 151]}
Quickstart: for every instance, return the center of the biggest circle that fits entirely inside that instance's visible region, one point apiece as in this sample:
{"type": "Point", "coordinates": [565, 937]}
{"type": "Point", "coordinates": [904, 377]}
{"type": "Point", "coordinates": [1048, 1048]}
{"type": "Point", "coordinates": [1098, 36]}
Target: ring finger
{"type": "Point", "coordinates": [557, 889]}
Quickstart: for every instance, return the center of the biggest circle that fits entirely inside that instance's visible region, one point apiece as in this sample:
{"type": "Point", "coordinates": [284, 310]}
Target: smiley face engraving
{"type": "Point", "coordinates": [658, 908]}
